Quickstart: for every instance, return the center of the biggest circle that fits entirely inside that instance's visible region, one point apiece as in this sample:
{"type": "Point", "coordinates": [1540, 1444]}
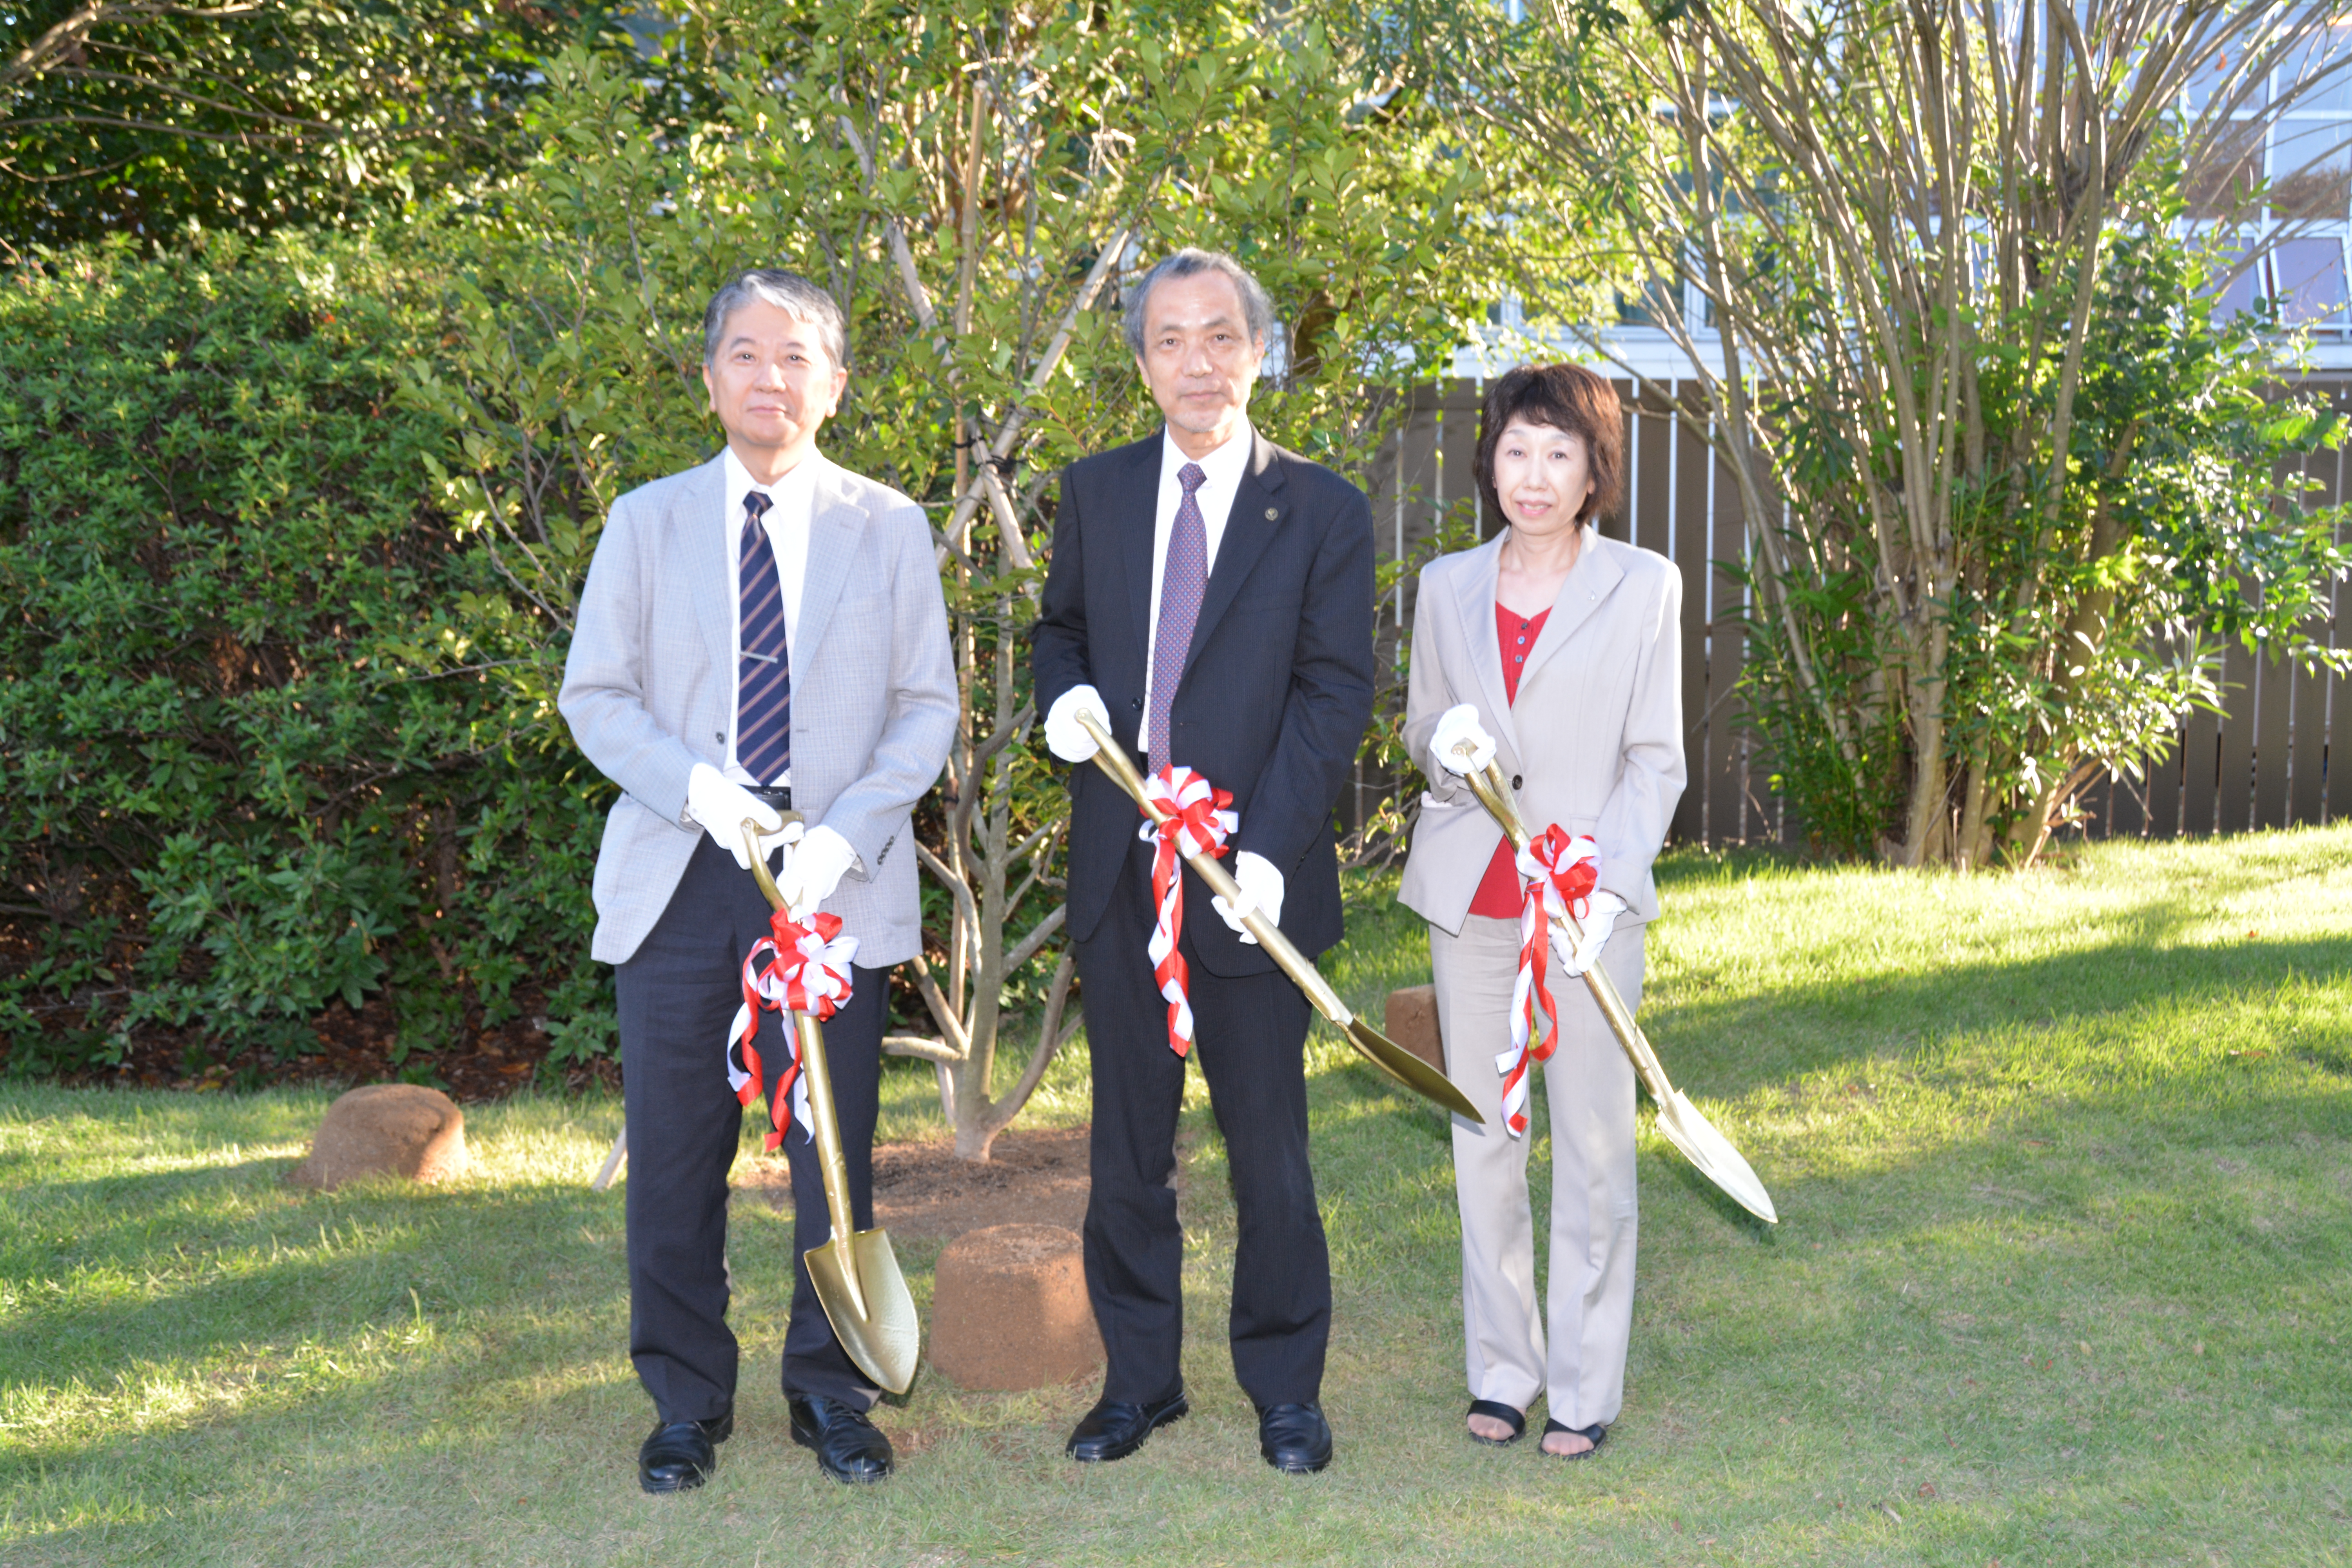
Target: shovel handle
{"type": "Point", "coordinates": [830, 1164]}
{"type": "Point", "coordinates": [833, 1168]}
{"type": "Point", "coordinates": [1495, 795]}
{"type": "Point", "coordinates": [1112, 758]}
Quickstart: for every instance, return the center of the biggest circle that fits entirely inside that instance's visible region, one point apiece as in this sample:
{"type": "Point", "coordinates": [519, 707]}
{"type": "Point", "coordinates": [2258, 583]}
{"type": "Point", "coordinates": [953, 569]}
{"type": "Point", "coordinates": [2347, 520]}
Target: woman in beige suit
{"type": "Point", "coordinates": [1556, 651]}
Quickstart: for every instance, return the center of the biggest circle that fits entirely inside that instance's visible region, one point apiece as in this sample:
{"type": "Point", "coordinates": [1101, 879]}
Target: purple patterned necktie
{"type": "Point", "coordinates": [1181, 585]}
{"type": "Point", "coordinates": [763, 670]}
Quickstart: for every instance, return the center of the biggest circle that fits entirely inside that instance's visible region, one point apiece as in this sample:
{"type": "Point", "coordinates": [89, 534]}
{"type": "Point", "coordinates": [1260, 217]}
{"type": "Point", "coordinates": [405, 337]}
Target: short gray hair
{"type": "Point", "coordinates": [790, 293]}
{"type": "Point", "coordinates": [1257, 309]}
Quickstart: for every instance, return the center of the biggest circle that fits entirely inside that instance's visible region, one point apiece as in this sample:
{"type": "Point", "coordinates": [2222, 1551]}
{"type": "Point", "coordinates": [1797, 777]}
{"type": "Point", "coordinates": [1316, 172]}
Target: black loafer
{"type": "Point", "coordinates": [1295, 1439]}
{"type": "Point", "coordinates": [1115, 1429]}
{"type": "Point", "coordinates": [680, 1455]}
{"type": "Point", "coordinates": [848, 1447]}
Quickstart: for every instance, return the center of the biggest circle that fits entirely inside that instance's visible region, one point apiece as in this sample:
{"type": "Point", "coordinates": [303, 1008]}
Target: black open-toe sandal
{"type": "Point", "coordinates": [1592, 1435]}
{"type": "Point", "coordinates": [1516, 1420]}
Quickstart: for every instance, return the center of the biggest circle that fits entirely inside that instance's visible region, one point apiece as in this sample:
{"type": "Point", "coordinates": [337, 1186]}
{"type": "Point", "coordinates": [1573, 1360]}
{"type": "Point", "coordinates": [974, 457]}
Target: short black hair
{"type": "Point", "coordinates": [1565, 398]}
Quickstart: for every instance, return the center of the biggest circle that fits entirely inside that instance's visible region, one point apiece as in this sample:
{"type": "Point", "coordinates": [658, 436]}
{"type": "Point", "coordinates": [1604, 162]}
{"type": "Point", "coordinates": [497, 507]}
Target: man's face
{"type": "Point", "coordinates": [772, 383]}
{"type": "Point", "coordinates": [1198, 356]}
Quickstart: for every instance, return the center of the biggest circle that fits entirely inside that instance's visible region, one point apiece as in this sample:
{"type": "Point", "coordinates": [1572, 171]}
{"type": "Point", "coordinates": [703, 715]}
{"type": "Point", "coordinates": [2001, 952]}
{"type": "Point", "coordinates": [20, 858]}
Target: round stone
{"type": "Point", "coordinates": [1010, 1312]}
{"type": "Point", "coordinates": [387, 1129]}
{"type": "Point", "coordinates": [1412, 1023]}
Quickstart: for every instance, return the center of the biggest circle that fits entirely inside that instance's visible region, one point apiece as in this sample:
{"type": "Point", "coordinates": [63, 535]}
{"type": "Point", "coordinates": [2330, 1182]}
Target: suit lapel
{"type": "Point", "coordinates": [1258, 512]}
{"type": "Point", "coordinates": [694, 525]}
{"type": "Point", "coordinates": [1138, 517]}
{"type": "Point", "coordinates": [834, 523]}
{"type": "Point", "coordinates": [1581, 594]}
{"type": "Point", "coordinates": [1474, 598]}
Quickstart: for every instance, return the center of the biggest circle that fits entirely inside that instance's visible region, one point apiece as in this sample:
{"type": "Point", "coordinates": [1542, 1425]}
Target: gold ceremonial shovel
{"type": "Point", "coordinates": [856, 1274]}
{"type": "Point", "coordinates": [1376, 1047]}
{"type": "Point", "coordinates": [1678, 1119]}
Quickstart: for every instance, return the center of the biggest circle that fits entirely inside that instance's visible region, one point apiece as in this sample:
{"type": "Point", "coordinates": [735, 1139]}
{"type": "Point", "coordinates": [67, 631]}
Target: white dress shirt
{"type": "Point", "coordinates": [1222, 469]}
{"type": "Point", "coordinates": [791, 502]}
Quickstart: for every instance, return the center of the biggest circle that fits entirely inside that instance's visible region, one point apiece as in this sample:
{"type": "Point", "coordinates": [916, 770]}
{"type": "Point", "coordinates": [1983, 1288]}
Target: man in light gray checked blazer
{"type": "Point", "coordinates": [763, 631]}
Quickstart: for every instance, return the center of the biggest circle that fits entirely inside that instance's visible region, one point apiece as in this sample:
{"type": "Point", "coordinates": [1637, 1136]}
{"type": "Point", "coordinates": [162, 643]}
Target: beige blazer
{"type": "Point", "coordinates": [1595, 741]}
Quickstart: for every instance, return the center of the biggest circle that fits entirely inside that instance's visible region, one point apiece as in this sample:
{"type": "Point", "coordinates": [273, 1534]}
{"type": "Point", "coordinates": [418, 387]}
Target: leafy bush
{"type": "Point", "coordinates": [242, 775]}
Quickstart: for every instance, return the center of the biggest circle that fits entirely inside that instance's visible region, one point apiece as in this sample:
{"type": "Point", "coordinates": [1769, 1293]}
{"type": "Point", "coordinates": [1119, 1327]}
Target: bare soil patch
{"type": "Point", "coordinates": [923, 1192]}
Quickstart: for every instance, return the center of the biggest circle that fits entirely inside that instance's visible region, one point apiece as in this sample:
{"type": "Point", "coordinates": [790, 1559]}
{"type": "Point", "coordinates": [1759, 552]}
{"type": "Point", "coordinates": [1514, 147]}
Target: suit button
{"type": "Point", "coordinates": [1514, 781]}
{"type": "Point", "coordinates": [1136, 703]}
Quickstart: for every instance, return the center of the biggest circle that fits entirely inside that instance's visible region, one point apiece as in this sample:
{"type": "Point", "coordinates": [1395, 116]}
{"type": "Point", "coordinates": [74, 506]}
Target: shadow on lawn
{"type": "Point", "coordinates": [1727, 1048]}
{"type": "Point", "coordinates": [288, 1265]}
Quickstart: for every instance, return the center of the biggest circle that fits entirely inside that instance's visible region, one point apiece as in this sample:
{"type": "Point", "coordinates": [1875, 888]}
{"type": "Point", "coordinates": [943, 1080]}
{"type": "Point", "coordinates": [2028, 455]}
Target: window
{"type": "Point", "coordinates": [2305, 154]}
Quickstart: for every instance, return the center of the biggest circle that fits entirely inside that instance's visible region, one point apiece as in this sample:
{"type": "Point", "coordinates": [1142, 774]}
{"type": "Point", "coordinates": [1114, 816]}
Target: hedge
{"type": "Point", "coordinates": [249, 762]}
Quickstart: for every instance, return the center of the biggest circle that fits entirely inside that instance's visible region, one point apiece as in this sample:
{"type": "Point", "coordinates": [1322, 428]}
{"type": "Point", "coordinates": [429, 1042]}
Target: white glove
{"type": "Point", "coordinates": [1261, 894]}
{"type": "Point", "coordinates": [1064, 737]}
{"type": "Point", "coordinates": [721, 806]}
{"type": "Point", "coordinates": [813, 870]}
{"type": "Point", "coordinates": [1454, 726]}
{"type": "Point", "coordinates": [1600, 912]}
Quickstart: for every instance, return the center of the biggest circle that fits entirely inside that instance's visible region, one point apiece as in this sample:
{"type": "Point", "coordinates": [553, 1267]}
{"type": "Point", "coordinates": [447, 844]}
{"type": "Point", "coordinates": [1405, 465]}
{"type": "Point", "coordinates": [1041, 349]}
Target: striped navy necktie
{"type": "Point", "coordinates": [763, 670]}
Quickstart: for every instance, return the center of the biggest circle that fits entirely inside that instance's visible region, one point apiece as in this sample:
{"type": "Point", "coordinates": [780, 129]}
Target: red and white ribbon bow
{"type": "Point", "coordinates": [796, 968]}
{"type": "Point", "coordinates": [1199, 822]}
{"type": "Point", "coordinates": [1557, 874]}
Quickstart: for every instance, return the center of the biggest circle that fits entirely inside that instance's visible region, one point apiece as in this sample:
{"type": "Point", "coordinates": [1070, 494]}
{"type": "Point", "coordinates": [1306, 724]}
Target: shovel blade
{"type": "Point", "coordinates": [885, 1339]}
{"type": "Point", "coordinates": [1411, 1070]}
{"type": "Point", "coordinates": [1712, 1152]}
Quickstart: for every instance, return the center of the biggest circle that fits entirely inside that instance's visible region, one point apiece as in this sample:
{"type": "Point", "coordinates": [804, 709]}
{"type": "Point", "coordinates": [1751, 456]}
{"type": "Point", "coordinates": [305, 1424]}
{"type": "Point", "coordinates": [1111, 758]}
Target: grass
{"type": "Point", "coordinates": [2063, 1162]}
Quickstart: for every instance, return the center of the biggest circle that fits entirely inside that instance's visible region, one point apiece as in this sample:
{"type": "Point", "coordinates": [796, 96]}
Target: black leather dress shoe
{"type": "Point", "coordinates": [850, 1448]}
{"type": "Point", "coordinates": [1115, 1429]}
{"type": "Point", "coordinates": [1295, 1439]}
{"type": "Point", "coordinates": [680, 1455]}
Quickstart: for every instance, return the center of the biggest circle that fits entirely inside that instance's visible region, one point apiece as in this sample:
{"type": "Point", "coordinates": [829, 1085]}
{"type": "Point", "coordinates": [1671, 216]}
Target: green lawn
{"type": "Point", "coordinates": [2063, 1162]}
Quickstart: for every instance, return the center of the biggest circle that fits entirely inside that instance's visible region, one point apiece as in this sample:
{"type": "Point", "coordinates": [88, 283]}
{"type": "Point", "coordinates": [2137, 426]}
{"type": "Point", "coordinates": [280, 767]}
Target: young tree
{"type": "Point", "coordinates": [975, 188]}
{"type": "Point", "coordinates": [2008, 467]}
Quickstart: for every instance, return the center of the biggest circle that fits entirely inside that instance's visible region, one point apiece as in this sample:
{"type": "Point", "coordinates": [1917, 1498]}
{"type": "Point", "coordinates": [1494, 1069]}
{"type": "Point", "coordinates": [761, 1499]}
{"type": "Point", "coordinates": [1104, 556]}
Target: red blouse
{"type": "Point", "coordinates": [1499, 890]}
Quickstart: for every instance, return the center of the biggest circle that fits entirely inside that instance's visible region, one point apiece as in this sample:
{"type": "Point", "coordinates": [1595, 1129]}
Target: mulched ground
{"type": "Point", "coordinates": [923, 1192]}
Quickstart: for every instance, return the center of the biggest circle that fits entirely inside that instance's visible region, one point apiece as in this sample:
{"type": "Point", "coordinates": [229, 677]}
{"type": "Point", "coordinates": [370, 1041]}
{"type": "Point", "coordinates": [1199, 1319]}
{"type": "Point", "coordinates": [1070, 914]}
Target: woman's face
{"type": "Point", "coordinates": [1542, 475]}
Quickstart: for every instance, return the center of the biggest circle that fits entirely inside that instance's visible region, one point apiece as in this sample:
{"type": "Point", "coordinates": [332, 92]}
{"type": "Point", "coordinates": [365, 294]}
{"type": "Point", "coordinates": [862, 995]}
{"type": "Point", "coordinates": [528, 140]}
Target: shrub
{"type": "Point", "coordinates": [241, 777]}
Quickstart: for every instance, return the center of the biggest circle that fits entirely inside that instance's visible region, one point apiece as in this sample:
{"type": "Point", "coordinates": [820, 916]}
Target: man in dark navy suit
{"type": "Point", "coordinates": [1210, 602]}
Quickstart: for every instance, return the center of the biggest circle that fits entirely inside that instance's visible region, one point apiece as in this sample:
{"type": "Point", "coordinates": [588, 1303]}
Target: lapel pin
{"type": "Point", "coordinates": [1273, 512]}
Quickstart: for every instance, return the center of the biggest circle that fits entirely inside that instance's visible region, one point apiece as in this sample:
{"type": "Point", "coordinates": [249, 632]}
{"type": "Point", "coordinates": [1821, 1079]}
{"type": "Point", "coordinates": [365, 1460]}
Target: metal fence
{"type": "Point", "coordinates": [2263, 765]}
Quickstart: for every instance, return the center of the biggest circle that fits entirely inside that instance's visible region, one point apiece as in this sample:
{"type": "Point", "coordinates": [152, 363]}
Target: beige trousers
{"type": "Point", "coordinates": [1579, 1364]}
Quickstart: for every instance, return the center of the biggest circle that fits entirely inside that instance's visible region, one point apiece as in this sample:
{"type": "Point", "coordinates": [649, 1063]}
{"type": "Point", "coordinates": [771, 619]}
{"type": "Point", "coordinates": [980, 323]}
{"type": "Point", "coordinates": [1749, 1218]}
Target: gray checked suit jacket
{"type": "Point", "coordinates": [1594, 742]}
{"type": "Point", "coordinates": [874, 695]}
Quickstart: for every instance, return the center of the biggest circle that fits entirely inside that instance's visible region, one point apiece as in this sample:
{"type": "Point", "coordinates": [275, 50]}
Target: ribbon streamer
{"type": "Point", "coordinates": [1199, 822]}
{"type": "Point", "coordinates": [1558, 874]}
{"type": "Point", "coordinates": [796, 968]}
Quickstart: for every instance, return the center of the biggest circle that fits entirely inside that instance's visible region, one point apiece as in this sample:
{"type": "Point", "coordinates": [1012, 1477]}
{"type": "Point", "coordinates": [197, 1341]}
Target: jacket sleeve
{"type": "Point", "coordinates": [922, 698]}
{"type": "Point", "coordinates": [1428, 692]}
{"type": "Point", "coordinates": [602, 697]}
{"type": "Point", "coordinates": [1058, 643]}
{"type": "Point", "coordinates": [1651, 772]}
{"type": "Point", "coordinates": [1331, 700]}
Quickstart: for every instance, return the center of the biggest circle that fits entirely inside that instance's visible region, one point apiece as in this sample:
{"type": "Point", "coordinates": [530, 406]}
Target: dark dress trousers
{"type": "Point", "coordinates": [1273, 702]}
{"type": "Point", "coordinates": [676, 995]}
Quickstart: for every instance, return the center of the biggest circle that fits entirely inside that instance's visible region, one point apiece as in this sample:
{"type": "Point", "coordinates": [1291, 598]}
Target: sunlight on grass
{"type": "Point", "coordinates": [2063, 1161]}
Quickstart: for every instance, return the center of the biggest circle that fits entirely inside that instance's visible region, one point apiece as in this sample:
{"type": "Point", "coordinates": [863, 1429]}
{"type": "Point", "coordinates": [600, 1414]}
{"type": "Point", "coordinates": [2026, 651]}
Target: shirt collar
{"type": "Point", "coordinates": [794, 489]}
{"type": "Point", "coordinates": [1223, 466]}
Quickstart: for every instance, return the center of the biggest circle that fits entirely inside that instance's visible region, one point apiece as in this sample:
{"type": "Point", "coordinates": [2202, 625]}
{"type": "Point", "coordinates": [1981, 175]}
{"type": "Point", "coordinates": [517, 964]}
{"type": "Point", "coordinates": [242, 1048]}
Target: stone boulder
{"type": "Point", "coordinates": [1010, 1312]}
{"type": "Point", "coordinates": [1412, 1023]}
{"type": "Point", "coordinates": [387, 1129]}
